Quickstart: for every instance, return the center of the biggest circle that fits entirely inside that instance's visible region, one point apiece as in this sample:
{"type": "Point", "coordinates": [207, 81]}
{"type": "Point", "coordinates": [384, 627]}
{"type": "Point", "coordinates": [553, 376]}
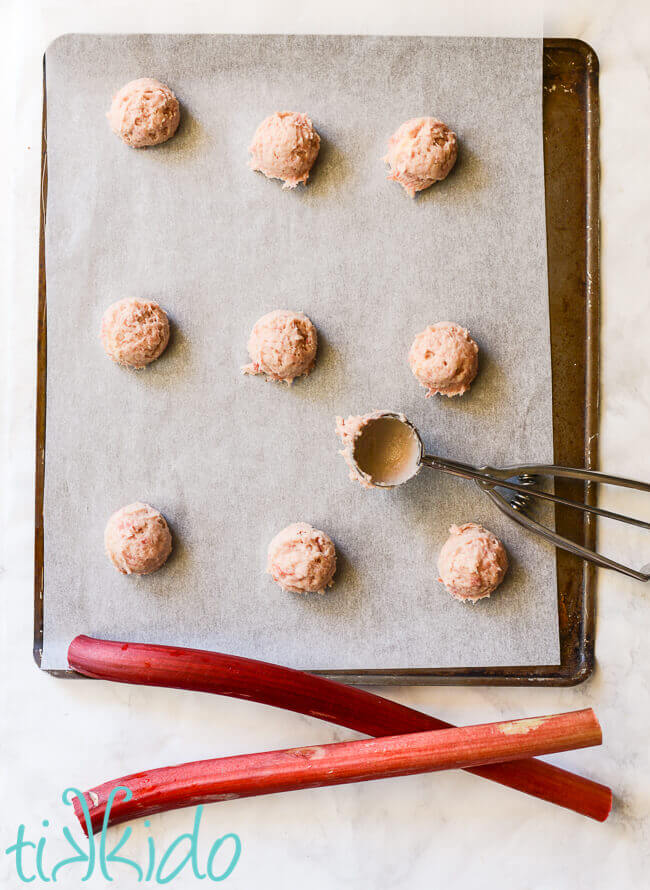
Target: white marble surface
{"type": "Point", "coordinates": [453, 829]}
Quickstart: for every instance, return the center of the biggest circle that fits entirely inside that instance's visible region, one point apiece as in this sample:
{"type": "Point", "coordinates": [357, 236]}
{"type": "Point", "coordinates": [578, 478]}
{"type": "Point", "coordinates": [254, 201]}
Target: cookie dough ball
{"type": "Point", "coordinates": [282, 345]}
{"type": "Point", "coordinates": [444, 358]}
{"type": "Point", "coordinates": [285, 146]}
{"type": "Point", "coordinates": [144, 112]}
{"type": "Point", "coordinates": [472, 563]}
{"type": "Point", "coordinates": [422, 151]}
{"type": "Point", "coordinates": [137, 539]}
{"type": "Point", "coordinates": [302, 559]}
{"type": "Point", "coordinates": [135, 332]}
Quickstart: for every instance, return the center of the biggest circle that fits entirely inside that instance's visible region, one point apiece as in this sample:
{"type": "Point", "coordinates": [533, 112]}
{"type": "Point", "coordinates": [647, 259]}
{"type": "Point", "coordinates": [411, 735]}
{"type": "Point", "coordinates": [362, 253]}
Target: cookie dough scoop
{"type": "Point", "coordinates": [384, 449]}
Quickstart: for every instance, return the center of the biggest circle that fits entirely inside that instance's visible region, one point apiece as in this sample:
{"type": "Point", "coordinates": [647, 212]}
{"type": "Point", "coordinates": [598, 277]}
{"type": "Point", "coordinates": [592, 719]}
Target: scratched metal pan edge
{"type": "Point", "coordinates": [571, 171]}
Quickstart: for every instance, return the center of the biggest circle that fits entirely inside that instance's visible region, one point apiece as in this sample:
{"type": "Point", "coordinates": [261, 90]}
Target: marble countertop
{"type": "Point", "coordinates": [451, 829]}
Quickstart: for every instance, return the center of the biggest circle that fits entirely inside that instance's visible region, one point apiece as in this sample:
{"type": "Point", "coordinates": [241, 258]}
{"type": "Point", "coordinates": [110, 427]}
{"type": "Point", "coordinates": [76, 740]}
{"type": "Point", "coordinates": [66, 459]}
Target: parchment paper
{"type": "Point", "coordinates": [230, 459]}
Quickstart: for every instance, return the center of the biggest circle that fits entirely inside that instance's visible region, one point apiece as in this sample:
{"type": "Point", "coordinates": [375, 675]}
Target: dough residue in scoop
{"type": "Point", "coordinates": [381, 449]}
{"type": "Point", "coordinates": [285, 146]}
{"type": "Point", "coordinates": [144, 112]}
{"type": "Point", "coordinates": [302, 559]}
{"type": "Point", "coordinates": [134, 332]}
{"type": "Point", "coordinates": [137, 539]}
{"type": "Point", "coordinates": [472, 562]}
{"type": "Point", "coordinates": [444, 358]}
{"type": "Point", "coordinates": [420, 152]}
{"type": "Point", "coordinates": [282, 345]}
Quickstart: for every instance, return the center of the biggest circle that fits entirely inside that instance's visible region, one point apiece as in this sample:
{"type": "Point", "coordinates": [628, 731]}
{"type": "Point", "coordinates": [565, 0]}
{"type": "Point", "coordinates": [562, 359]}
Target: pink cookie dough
{"type": "Point", "coordinates": [137, 539]}
{"type": "Point", "coordinates": [302, 559]}
{"type": "Point", "coordinates": [380, 449]}
{"type": "Point", "coordinates": [422, 151]}
{"type": "Point", "coordinates": [472, 562]}
{"type": "Point", "coordinates": [444, 358]}
{"type": "Point", "coordinates": [135, 332]}
{"type": "Point", "coordinates": [285, 146]}
{"type": "Point", "coordinates": [144, 112]}
{"type": "Point", "coordinates": [282, 345]}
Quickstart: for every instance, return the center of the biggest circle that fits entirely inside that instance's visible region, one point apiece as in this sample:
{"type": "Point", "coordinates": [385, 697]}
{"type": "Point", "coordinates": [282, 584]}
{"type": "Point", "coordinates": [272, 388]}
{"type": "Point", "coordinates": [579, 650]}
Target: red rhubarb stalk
{"type": "Point", "coordinates": [248, 775]}
{"type": "Point", "coordinates": [282, 687]}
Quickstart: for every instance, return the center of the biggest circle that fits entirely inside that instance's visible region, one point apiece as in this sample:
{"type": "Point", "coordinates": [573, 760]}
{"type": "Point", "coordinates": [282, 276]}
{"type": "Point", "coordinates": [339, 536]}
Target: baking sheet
{"type": "Point", "coordinates": [230, 460]}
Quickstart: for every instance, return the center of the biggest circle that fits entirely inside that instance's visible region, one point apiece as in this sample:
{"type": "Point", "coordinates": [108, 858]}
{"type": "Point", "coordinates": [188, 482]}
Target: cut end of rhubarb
{"type": "Point", "coordinates": [607, 791]}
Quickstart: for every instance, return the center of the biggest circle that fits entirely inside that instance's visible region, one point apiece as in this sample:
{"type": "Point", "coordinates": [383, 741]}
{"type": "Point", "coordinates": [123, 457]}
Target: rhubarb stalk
{"type": "Point", "coordinates": [365, 712]}
{"type": "Point", "coordinates": [248, 775]}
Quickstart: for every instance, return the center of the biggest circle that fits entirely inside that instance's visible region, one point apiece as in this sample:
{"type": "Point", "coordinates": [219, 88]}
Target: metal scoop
{"type": "Point", "coordinates": [388, 451]}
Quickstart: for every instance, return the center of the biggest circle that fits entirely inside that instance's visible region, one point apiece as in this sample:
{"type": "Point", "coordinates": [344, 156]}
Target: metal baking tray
{"type": "Point", "coordinates": [571, 119]}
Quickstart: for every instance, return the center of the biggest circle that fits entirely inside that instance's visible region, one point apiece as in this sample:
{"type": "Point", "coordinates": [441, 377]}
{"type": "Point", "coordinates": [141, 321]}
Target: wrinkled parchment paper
{"type": "Point", "coordinates": [230, 459]}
